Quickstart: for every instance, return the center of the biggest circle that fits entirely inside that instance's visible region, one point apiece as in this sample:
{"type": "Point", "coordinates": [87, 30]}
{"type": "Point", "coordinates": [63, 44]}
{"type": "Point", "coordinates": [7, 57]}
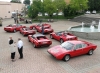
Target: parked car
{"type": "Point", "coordinates": [62, 36]}
{"type": "Point", "coordinates": [72, 48]}
{"type": "Point", "coordinates": [13, 28]}
{"type": "Point", "coordinates": [39, 25]}
{"type": "Point", "coordinates": [94, 12]}
{"type": "Point", "coordinates": [46, 30]}
{"type": "Point", "coordinates": [39, 40]}
{"type": "Point", "coordinates": [88, 12]}
{"type": "Point", "coordinates": [27, 31]}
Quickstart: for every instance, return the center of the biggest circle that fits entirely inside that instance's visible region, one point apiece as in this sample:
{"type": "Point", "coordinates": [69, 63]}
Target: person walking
{"type": "Point", "coordinates": [15, 20]}
{"type": "Point", "coordinates": [0, 21]}
{"type": "Point", "coordinates": [20, 48]}
{"type": "Point", "coordinates": [12, 49]}
{"type": "Point", "coordinates": [42, 29]}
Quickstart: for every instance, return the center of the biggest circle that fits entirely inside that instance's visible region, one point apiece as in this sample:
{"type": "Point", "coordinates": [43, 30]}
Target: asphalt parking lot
{"type": "Point", "coordinates": [38, 60]}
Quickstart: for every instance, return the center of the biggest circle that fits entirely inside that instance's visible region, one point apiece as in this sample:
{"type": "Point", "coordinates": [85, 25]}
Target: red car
{"type": "Point", "coordinates": [27, 31]}
{"type": "Point", "coordinates": [62, 36]}
{"type": "Point", "coordinates": [46, 30]}
{"type": "Point", "coordinates": [72, 48]}
{"type": "Point", "coordinates": [13, 28]}
{"type": "Point", "coordinates": [39, 25]}
{"type": "Point", "coordinates": [39, 40]}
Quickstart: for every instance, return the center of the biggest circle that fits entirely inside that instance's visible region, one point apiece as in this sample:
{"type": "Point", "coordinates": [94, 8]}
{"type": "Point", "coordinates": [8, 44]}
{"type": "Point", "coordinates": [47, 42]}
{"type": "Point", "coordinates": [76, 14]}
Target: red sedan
{"type": "Point", "coordinates": [27, 31]}
{"type": "Point", "coordinates": [13, 28]}
{"type": "Point", "coordinates": [70, 49]}
{"type": "Point", "coordinates": [62, 36]}
{"type": "Point", "coordinates": [39, 25]}
{"type": "Point", "coordinates": [39, 40]}
{"type": "Point", "coordinates": [46, 30]}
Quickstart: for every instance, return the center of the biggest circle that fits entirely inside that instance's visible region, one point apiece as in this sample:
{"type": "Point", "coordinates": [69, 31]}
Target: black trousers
{"type": "Point", "coordinates": [13, 55]}
{"type": "Point", "coordinates": [20, 50]}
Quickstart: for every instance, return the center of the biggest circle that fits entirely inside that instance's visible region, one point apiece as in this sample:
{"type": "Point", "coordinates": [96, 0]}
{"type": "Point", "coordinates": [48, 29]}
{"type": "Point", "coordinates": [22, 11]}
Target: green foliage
{"type": "Point", "coordinates": [75, 7]}
{"type": "Point", "coordinates": [94, 5]}
{"type": "Point", "coordinates": [49, 7]}
{"type": "Point", "coordinates": [15, 1]}
{"type": "Point", "coordinates": [34, 9]}
{"type": "Point", "coordinates": [79, 5]}
{"type": "Point", "coordinates": [60, 4]}
{"type": "Point", "coordinates": [27, 2]}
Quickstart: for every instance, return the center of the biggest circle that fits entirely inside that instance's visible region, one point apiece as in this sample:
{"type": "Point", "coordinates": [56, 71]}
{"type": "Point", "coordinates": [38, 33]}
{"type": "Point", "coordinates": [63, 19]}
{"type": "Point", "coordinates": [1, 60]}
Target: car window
{"type": "Point", "coordinates": [59, 34]}
{"type": "Point", "coordinates": [67, 45]}
{"type": "Point", "coordinates": [78, 46]}
{"type": "Point", "coordinates": [43, 37]}
{"type": "Point", "coordinates": [84, 45]}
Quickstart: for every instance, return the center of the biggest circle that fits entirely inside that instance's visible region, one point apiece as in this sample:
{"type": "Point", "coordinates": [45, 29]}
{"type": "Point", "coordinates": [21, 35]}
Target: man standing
{"type": "Point", "coordinates": [0, 21]}
{"type": "Point", "coordinates": [12, 48]}
{"type": "Point", "coordinates": [20, 48]}
{"type": "Point", "coordinates": [42, 29]}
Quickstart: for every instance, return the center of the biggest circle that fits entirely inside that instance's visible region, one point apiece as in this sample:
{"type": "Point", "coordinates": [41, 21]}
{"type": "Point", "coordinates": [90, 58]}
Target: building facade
{"type": "Point", "coordinates": [6, 8]}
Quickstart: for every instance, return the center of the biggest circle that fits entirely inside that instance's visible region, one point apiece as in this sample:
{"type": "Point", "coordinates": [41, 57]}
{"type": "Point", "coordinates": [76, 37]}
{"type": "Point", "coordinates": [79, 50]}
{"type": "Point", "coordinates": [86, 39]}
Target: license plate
{"type": "Point", "coordinates": [44, 42]}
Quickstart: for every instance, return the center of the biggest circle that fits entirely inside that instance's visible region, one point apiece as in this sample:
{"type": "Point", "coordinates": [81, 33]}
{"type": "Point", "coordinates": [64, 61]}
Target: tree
{"type": "Point", "coordinates": [75, 7]}
{"type": "Point", "coordinates": [26, 2]}
{"type": "Point", "coordinates": [34, 9]}
{"type": "Point", "coordinates": [60, 4]}
{"type": "Point", "coordinates": [79, 5]}
{"type": "Point", "coordinates": [49, 7]}
{"type": "Point", "coordinates": [15, 1]}
{"type": "Point", "coordinates": [94, 5]}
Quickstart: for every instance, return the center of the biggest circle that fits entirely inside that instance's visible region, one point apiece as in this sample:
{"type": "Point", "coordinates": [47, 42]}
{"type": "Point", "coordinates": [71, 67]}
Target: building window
{"type": "Point", "coordinates": [8, 11]}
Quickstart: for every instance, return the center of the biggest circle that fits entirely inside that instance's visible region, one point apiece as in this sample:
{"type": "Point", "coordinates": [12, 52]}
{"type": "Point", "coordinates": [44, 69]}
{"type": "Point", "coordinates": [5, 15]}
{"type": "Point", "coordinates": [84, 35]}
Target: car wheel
{"type": "Point", "coordinates": [61, 41]}
{"type": "Point", "coordinates": [90, 52]}
{"type": "Point", "coordinates": [66, 58]}
{"type": "Point", "coordinates": [51, 36]}
{"type": "Point", "coordinates": [23, 34]}
{"type": "Point", "coordinates": [34, 45]}
{"type": "Point", "coordinates": [33, 27]}
{"type": "Point", "coordinates": [14, 30]}
{"type": "Point", "coordinates": [28, 40]}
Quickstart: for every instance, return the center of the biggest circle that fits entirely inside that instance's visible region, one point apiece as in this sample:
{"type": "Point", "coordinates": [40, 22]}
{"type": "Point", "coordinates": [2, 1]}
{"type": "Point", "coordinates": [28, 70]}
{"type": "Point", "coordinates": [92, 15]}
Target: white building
{"type": "Point", "coordinates": [6, 8]}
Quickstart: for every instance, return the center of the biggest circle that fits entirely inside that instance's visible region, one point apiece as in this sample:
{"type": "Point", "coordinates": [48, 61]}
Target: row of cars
{"type": "Point", "coordinates": [70, 45]}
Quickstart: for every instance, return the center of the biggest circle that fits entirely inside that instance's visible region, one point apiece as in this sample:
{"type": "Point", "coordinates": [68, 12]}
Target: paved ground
{"type": "Point", "coordinates": [37, 60]}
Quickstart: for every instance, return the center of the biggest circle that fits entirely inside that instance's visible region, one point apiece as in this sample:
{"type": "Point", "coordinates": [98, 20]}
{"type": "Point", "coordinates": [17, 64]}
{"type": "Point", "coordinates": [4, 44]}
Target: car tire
{"type": "Point", "coordinates": [14, 30]}
{"type": "Point", "coordinates": [29, 40]}
{"type": "Point", "coordinates": [23, 34]}
{"type": "Point", "coordinates": [66, 58]}
{"type": "Point", "coordinates": [61, 41]}
{"type": "Point", "coordinates": [51, 36]}
{"type": "Point", "coordinates": [90, 52]}
{"type": "Point", "coordinates": [33, 28]}
{"type": "Point", "coordinates": [34, 45]}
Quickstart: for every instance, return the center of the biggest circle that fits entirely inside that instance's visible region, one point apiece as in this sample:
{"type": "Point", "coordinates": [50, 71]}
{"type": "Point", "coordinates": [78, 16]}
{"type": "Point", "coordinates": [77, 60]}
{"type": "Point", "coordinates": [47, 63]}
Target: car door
{"type": "Point", "coordinates": [57, 36]}
{"type": "Point", "coordinates": [77, 50]}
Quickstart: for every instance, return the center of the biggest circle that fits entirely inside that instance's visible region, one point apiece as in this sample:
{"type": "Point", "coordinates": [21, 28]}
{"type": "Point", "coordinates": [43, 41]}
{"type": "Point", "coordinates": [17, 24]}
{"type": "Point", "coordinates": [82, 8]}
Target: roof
{"type": "Point", "coordinates": [75, 41]}
{"type": "Point", "coordinates": [38, 35]}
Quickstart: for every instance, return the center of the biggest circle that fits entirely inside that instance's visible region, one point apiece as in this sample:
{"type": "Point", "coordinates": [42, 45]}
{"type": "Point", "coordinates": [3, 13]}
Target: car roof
{"type": "Point", "coordinates": [38, 35]}
{"type": "Point", "coordinates": [76, 41]}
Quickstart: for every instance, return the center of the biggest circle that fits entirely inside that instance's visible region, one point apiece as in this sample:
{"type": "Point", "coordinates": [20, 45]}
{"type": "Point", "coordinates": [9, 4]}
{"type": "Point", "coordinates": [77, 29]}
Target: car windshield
{"type": "Point", "coordinates": [67, 45]}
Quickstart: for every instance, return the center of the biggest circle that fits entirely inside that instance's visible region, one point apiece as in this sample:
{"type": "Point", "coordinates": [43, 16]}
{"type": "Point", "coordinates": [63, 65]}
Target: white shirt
{"type": "Point", "coordinates": [19, 44]}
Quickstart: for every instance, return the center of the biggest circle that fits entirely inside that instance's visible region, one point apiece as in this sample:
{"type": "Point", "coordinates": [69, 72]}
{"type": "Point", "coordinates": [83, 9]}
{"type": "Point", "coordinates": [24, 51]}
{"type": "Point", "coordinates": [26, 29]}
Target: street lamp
{"type": "Point", "coordinates": [17, 16]}
{"type": "Point", "coordinates": [57, 13]}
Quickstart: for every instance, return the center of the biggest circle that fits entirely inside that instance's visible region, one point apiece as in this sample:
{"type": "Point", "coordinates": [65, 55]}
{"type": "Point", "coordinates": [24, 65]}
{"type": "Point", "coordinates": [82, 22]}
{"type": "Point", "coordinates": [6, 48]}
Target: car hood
{"type": "Point", "coordinates": [57, 50]}
{"type": "Point", "coordinates": [43, 40]}
{"type": "Point", "coordinates": [68, 36]}
{"type": "Point", "coordinates": [8, 27]}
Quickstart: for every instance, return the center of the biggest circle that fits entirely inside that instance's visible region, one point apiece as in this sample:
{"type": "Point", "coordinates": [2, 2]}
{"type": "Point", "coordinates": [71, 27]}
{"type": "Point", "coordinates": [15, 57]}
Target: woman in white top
{"type": "Point", "coordinates": [12, 49]}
